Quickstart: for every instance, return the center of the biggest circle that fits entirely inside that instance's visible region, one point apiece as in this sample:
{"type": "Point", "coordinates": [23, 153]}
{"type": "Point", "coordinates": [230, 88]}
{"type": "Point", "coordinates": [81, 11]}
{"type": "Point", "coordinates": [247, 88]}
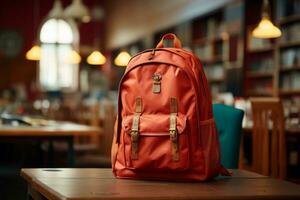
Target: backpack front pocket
{"type": "Point", "coordinates": [157, 148]}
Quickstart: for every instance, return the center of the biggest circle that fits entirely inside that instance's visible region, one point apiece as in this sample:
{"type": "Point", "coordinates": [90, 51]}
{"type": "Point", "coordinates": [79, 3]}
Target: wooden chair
{"type": "Point", "coordinates": [101, 158]}
{"type": "Point", "coordinates": [88, 115]}
{"type": "Point", "coordinates": [108, 129]}
{"type": "Point", "coordinates": [268, 127]}
{"type": "Point", "coordinates": [83, 114]}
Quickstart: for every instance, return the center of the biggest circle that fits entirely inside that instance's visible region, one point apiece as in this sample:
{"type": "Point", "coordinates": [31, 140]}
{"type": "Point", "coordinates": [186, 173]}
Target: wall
{"type": "Point", "coordinates": [131, 20]}
{"type": "Point", "coordinates": [17, 15]}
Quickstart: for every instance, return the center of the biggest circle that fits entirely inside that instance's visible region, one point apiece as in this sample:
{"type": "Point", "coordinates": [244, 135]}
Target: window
{"type": "Point", "coordinates": [56, 70]}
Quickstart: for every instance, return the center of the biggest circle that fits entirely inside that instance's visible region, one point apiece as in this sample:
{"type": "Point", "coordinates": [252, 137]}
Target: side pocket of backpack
{"type": "Point", "coordinates": [114, 147]}
{"type": "Point", "coordinates": [211, 148]}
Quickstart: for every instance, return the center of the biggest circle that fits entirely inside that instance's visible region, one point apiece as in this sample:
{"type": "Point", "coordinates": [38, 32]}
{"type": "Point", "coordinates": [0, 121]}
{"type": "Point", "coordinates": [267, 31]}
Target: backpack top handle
{"type": "Point", "coordinates": [169, 36]}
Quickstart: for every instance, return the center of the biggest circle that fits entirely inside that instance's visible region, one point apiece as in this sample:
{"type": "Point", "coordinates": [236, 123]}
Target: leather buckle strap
{"type": "Point", "coordinates": [135, 128]}
{"type": "Point", "coordinates": [173, 129]}
{"type": "Point", "coordinates": [138, 105]}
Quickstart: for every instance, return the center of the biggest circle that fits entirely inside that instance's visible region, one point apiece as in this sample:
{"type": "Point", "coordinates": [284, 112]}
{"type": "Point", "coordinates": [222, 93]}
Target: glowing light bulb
{"type": "Point", "coordinates": [266, 29]}
{"type": "Point", "coordinates": [34, 53]}
{"type": "Point", "coordinates": [122, 59]}
{"type": "Point", "coordinates": [96, 58]}
{"type": "Point", "coordinates": [74, 57]}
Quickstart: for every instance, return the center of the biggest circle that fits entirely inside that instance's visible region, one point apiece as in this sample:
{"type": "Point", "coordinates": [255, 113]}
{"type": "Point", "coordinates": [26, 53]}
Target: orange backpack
{"type": "Point", "coordinates": [165, 128]}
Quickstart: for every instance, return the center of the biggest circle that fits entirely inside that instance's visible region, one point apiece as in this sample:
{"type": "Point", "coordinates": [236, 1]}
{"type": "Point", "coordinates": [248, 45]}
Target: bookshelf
{"type": "Point", "coordinates": [259, 65]}
{"type": "Point", "coordinates": [272, 65]}
{"type": "Point", "coordinates": [217, 40]}
{"type": "Point", "coordinates": [232, 58]}
{"type": "Point", "coordinates": [288, 18]}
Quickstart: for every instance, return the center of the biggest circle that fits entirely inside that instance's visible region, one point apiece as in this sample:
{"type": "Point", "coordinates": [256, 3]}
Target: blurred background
{"type": "Point", "coordinates": [62, 60]}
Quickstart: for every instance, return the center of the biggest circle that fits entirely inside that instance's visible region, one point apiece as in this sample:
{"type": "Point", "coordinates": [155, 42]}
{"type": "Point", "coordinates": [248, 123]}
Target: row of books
{"type": "Point", "coordinates": [261, 86]}
{"type": "Point", "coordinates": [263, 65]}
{"type": "Point", "coordinates": [257, 43]}
{"type": "Point", "coordinates": [204, 52]}
{"type": "Point", "coordinates": [229, 20]}
{"type": "Point", "coordinates": [288, 8]}
{"type": "Point", "coordinates": [211, 28]}
{"type": "Point", "coordinates": [208, 51]}
{"type": "Point", "coordinates": [214, 72]}
{"type": "Point", "coordinates": [290, 33]}
{"type": "Point", "coordinates": [290, 81]}
{"type": "Point", "coordinates": [290, 57]}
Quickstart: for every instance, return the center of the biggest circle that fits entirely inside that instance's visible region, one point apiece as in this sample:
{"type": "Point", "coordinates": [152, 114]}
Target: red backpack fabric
{"type": "Point", "coordinates": [165, 128]}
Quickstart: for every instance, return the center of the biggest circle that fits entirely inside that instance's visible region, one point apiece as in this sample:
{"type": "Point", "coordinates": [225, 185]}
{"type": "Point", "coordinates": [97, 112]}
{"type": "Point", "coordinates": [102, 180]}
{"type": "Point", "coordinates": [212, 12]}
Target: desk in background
{"type": "Point", "coordinates": [62, 131]}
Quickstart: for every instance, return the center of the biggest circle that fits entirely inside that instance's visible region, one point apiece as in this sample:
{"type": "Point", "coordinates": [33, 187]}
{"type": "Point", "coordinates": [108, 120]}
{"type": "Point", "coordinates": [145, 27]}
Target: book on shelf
{"type": "Point", "coordinates": [288, 8]}
{"type": "Point", "coordinates": [234, 17]}
{"type": "Point", "coordinates": [261, 87]}
{"type": "Point", "coordinates": [204, 52]}
{"type": "Point", "coordinates": [298, 57]}
{"type": "Point", "coordinates": [212, 28]}
{"type": "Point", "coordinates": [290, 81]}
{"type": "Point", "coordinates": [289, 57]}
{"type": "Point", "coordinates": [295, 80]}
{"type": "Point", "coordinates": [219, 49]}
{"type": "Point", "coordinates": [294, 32]}
{"type": "Point", "coordinates": [262, 65]}
{"type": "Point", "coordinates": [290, 33]}
{"type": "Point", "coordinates": [258, 43]}
{"type": "Point", "coordinates": [201, 30]}
{"type": "Point", "coordinates": [285, 82]}
{"type": "Point", "coordinates": [218, 71]}
{"type": "Point", "coordinates": [214, 72]}
{"type": "Point", "coordinates": [233, 51]}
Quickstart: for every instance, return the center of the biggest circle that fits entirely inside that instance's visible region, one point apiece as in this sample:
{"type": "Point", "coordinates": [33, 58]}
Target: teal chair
{"type": "Point", "coordinates": [229, 125]}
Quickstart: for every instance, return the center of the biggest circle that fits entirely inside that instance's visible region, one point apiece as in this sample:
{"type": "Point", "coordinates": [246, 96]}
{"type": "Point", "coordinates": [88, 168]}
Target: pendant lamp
{"type": "Point", "coordinates": [265, 28]}
{"type": "Point", "coordinates": [122, 59]}
{"type": "Point", "coordinates": [73, 57]}
{"type": "Point", "coordinates": [96, 58]}
{"type": "Point", "coordinates": [34, 53]}
{"type": "Point", "coordinates": [78, 11]}
{"type": "Point", "coordinates": [57, 11]}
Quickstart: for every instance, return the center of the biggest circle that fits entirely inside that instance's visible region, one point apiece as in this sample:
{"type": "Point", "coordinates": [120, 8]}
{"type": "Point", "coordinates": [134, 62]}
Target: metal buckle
{"type": "Point", "coordinates": [134, 144]}
{"type": "Point", "coordinates": [134, 135]}
{"type": "Point", "coordinates": [173, 135]}
{"type": "Point", "coordinates": [156, 83]}
{"type": "Point", "coordinates": [174, 140]}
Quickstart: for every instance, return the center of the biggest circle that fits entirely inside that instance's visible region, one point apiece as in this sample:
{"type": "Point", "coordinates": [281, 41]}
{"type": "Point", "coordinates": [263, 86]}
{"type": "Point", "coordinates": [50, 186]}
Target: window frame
{"type": "Point", "coordinates": [74, 45]}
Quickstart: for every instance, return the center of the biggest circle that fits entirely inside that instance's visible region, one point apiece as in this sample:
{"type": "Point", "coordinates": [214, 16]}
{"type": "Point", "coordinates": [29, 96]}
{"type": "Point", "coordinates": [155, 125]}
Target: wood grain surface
{"type": "Point", "coordinates": [59, 129]}
{"type": "Point", "coordinates": [83, 184]}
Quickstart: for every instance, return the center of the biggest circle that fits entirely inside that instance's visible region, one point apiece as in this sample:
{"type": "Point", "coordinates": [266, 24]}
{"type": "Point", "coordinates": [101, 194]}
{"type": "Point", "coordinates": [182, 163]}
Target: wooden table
{"type": "Point", "coordinates": [96, 184]}
{"type": "Point", "coordinates": [63, 131]}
